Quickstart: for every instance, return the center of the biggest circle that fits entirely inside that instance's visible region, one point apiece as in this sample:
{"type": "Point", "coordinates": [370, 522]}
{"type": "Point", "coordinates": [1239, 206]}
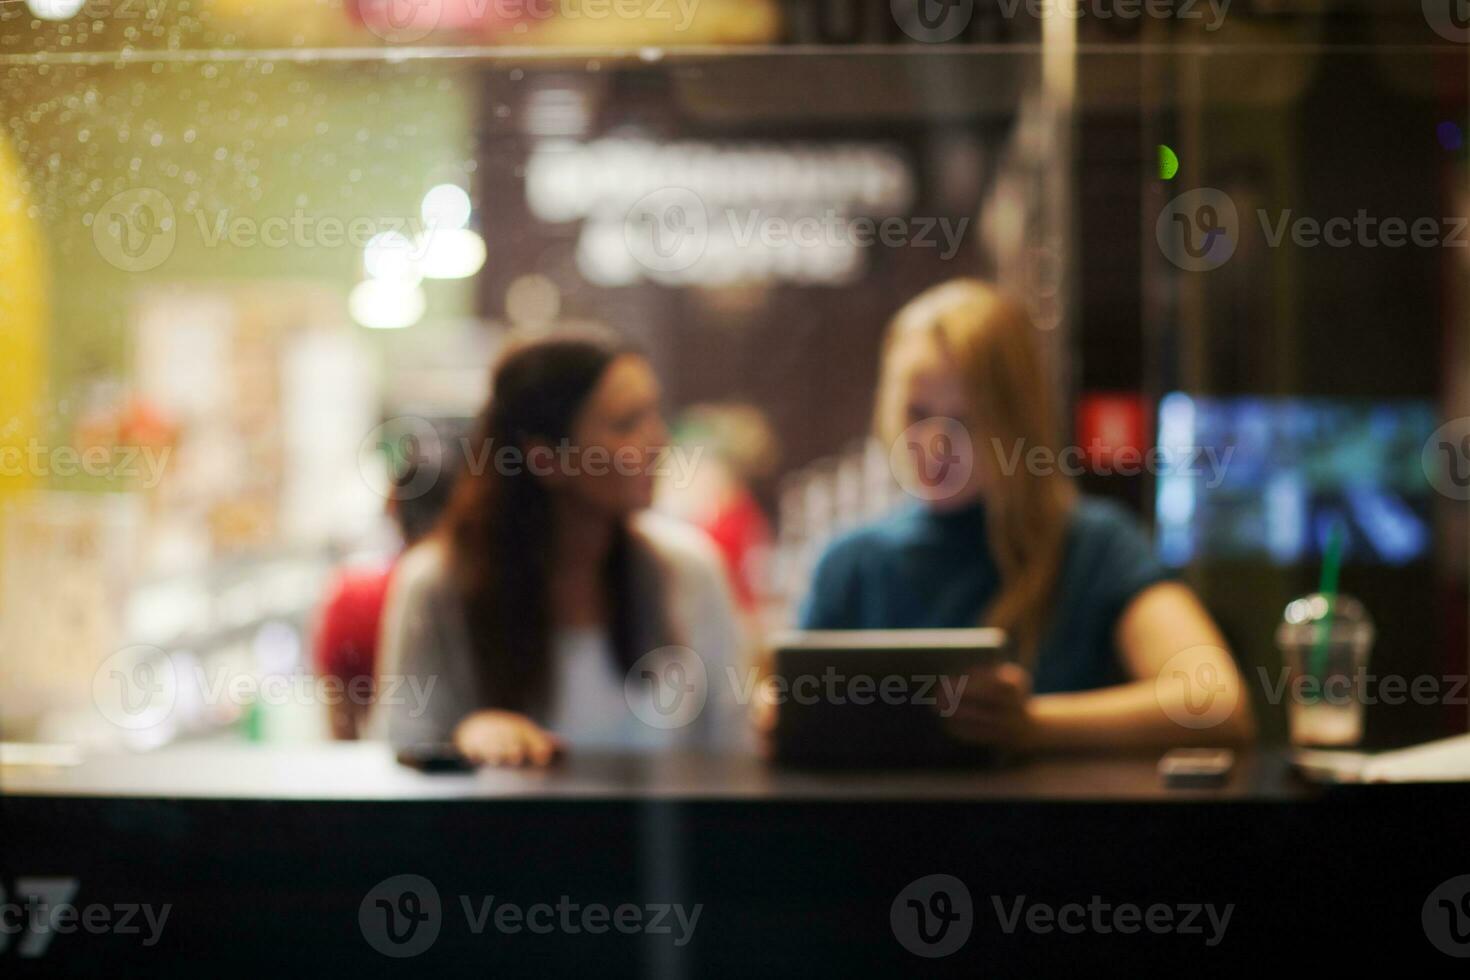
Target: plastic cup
{"type": "Point", "coordinates": [1325, 645]}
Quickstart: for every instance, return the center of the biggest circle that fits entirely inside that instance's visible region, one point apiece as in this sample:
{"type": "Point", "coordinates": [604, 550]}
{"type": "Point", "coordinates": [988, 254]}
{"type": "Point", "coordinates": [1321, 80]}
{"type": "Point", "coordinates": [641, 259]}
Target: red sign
{"type": "Point", "coordinates": [1108, 422]}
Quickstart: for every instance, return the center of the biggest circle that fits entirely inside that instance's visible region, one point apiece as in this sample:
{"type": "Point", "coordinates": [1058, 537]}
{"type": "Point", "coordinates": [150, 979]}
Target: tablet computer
{"type": "Point", "coordinates": [873, 698]}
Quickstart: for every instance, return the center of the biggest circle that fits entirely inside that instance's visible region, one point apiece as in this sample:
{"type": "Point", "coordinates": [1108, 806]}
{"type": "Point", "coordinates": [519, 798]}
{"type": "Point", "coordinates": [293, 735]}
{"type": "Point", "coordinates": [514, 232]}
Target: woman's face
{"type": "Point", "coordinates": [937, 455]}
{"type": "Point", "coordinates": [615, 441]}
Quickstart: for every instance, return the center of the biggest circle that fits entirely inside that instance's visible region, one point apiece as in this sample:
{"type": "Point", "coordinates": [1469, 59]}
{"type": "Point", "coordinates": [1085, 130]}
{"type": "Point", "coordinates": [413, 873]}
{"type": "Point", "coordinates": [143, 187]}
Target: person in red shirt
{"type": "Point", "coordinates": [737, 450]}
{"type": "Point", "coordinates": [346, 642]}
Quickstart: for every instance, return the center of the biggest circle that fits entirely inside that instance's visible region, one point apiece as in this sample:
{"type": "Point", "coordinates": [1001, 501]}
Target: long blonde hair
{"type": "Point", "coordinates": [995, 350]}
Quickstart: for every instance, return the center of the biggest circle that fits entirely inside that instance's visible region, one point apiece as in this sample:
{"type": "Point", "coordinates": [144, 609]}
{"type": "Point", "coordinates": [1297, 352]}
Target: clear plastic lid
{"type": "Point", "coordinates": [1344, 618]}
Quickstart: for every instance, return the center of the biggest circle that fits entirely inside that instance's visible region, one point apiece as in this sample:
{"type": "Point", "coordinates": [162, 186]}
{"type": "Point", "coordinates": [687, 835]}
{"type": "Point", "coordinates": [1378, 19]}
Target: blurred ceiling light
{"type": "Point", "coordinates": [389, 256]}
{"type": "Point", "coordinates": [603, 257]}
{"type": "Point", "coordinates": [384, 304]}
{"type": "Point", "coordinates": [446, 206]}
{"type": "Point", "coordinates": [532, 301]}
{"type": "Point", "coordinates": [451, 253]}
{"type": "Point", "coordinates": [56, 9]}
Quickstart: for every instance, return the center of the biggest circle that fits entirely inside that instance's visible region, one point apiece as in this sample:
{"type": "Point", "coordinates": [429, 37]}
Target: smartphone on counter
{"type": "Point", "coordinates": [1196, 768]}
{"type": "Point", "coordinates": [438, 757]}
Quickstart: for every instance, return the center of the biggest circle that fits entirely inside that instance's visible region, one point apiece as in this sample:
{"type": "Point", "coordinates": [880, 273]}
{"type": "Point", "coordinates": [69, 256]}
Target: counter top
{"type": "Point", "coordinates": [279, 856]}
{"type": "Point", "coordinates": [367, 771]}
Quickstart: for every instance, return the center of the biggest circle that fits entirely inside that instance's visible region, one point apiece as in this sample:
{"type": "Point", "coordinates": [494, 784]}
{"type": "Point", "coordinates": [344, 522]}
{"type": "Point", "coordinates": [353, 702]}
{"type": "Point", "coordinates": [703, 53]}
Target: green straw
{"type": "Point", "coordinates": [1327, 587]}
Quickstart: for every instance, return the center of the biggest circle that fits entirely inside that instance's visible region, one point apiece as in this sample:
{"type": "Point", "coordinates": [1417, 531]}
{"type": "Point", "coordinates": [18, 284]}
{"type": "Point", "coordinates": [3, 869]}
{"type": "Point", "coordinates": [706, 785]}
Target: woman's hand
{"type": "Point", "coordinates": [763, 718]}
{"type": "Point", "coordinates": [504, 738]}
{"type": "Point", "coordinates": [994, 707]}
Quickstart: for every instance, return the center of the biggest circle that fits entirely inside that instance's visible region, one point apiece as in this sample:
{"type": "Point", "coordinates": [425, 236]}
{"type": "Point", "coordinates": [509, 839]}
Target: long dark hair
{"type": "Point", "coordinates": [500, 522]}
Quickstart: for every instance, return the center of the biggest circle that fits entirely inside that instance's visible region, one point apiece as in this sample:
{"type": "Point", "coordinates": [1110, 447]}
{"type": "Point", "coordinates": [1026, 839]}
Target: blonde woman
{"type": "Point", "coordinates": [1111, 653]}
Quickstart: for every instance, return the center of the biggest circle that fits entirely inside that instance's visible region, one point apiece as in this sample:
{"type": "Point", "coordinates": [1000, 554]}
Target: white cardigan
{"type": "Point", "coordinates": [426, 666]}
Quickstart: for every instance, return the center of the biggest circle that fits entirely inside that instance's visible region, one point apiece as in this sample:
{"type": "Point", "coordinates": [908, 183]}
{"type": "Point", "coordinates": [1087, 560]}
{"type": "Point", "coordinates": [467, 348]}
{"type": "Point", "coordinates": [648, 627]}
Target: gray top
{"type": "Point", "coordinates": [692, 695]}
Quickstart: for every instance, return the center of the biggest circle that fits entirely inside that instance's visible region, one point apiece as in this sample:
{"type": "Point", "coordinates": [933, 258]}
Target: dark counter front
{"type": "Point", "coordinates": [333, 861]}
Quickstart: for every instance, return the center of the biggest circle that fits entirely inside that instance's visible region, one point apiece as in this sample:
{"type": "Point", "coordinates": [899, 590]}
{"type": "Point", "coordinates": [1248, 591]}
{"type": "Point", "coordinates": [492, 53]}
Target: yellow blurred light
{"type": "Point", "coordinates": [22, 321]}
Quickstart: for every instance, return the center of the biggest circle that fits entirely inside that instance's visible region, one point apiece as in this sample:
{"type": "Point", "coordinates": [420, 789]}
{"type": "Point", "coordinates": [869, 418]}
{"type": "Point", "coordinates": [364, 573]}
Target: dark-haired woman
{"type": "Point", "coordinates": [550, 609]}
